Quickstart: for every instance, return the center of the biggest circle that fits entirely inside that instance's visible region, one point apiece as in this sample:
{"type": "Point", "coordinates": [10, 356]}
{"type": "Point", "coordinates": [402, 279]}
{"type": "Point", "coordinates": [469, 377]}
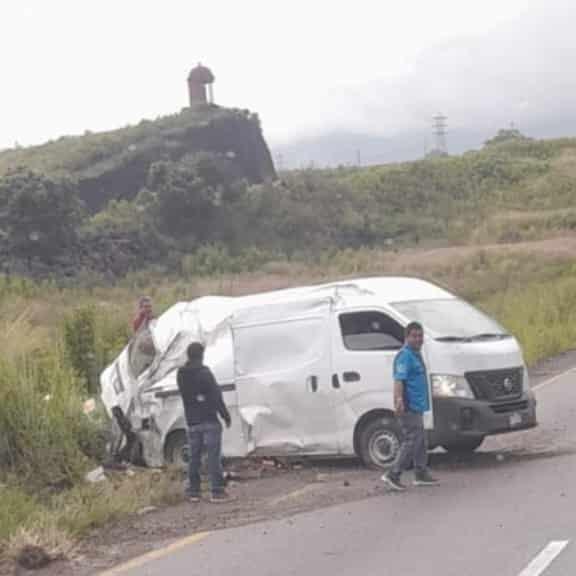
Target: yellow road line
{"type": "Point", "coordinates": [293, 495]}
{"type": "Point", "coordinates": [155, 554]}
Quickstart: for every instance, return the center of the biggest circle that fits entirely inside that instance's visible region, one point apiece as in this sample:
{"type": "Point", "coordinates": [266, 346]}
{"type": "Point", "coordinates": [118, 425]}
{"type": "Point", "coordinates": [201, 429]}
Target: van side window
{"type": "Point", "coordinates": [370, 331]}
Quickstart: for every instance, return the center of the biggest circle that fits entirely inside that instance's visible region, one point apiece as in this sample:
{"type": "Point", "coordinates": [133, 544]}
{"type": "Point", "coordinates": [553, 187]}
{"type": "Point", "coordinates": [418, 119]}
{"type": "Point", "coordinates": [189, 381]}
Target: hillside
{"type": "Point", "coordinates": [114, 165]}
{"type": "Point", "coordinates": [196, 193]}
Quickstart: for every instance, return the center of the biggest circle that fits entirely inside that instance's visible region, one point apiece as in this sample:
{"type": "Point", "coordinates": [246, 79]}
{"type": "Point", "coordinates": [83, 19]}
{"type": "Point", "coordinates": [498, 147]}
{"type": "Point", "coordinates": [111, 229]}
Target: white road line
{"type": "Point", "coordinates": [553, 379]}
{"type": "Point", "coordinates": [544, 559]}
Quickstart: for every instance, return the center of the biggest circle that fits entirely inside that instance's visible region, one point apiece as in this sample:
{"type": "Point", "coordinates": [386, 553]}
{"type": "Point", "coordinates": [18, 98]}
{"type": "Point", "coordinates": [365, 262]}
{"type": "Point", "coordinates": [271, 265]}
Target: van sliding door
{"type": "Point", "coordinates": [282, 373]}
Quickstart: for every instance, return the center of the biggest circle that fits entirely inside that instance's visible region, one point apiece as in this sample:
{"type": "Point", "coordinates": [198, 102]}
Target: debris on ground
{"type": "Point", "coordinates": [89, 406]}
{"type": "Point", "coordinates": [113, 465]}
{"type": "Point", "coordinates": [146, 510]}
{"type": "Point", "coordinates": [96, 475]}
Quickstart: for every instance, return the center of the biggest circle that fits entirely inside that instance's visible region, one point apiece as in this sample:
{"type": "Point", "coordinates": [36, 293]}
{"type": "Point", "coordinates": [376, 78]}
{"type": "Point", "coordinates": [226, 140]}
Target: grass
{"type": "Point", "coordinates": [542, 316]}
{"type": "Point", "coordinates": [55, 523]}
{"type": "Point", "coordinates": [52, 337]}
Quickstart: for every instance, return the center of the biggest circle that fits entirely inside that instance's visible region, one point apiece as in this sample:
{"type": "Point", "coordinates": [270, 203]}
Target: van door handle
{"type": "Point", "coordinates": [312, 382]}
{"type": "Point", "coordinates": [351, 377]}
{"type": "Point", "coordinates": [335, 381]}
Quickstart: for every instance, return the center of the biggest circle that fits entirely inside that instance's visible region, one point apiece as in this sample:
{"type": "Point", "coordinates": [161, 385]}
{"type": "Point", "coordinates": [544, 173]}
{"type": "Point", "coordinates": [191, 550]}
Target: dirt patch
{"type": "Point", "coordinates": [550, 248]}
{"type": "Point", "coordinates": [419, 261]}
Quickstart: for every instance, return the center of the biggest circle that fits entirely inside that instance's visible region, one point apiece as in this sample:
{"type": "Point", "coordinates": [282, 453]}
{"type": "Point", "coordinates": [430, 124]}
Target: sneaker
{"type": "Point", "coordinates": [194, 499]}
{"type": "Point", "coordinates": [424, 479]}
{"type": "Point", "coordinates": [393, 483]}
{"type": "Point", "coordinates": [221, 498]}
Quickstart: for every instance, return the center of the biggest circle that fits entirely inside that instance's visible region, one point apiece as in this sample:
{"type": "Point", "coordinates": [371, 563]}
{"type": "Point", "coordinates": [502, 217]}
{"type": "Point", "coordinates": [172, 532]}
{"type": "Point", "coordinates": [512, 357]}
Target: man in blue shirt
{"type": "Point", "coordinates": [411, 400]}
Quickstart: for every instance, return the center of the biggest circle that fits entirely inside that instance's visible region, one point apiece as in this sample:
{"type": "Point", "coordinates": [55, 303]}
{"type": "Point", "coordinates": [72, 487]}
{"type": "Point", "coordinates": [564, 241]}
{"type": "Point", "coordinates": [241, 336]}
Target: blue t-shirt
{"type": "Point", "coordinates": [409, 368]}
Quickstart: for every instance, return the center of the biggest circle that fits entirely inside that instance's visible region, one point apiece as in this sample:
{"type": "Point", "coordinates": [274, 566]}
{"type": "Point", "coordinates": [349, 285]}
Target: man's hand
{"type": "Point", "coordinates": [399, 397]}
{"type": "Point", "coordinates": [228, 423]}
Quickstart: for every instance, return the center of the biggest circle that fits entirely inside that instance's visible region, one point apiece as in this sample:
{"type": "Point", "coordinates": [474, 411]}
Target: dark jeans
{"type": "Point", "coordinates": [414, 448]}
{"type": "Point", "coordinates": [206, 435]}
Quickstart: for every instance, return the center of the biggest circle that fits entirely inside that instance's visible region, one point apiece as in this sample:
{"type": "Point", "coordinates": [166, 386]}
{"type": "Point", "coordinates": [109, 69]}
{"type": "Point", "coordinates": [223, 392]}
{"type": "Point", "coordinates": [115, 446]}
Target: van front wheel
{"type": "Point", "coordinates": [176, 449]}
{"type": "Point", "coordinates": [380, 441]}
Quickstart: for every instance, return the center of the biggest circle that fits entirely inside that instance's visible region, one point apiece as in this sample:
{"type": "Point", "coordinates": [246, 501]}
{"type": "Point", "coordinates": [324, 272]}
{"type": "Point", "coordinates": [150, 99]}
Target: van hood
{"type": "Point", "coordinates": [460, 357]}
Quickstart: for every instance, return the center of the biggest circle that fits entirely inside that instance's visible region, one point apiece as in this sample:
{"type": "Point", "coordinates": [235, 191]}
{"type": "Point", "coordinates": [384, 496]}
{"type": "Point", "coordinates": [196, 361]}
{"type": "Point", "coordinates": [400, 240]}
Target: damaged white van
{"type": "Point", "coordinates": [308, 372]}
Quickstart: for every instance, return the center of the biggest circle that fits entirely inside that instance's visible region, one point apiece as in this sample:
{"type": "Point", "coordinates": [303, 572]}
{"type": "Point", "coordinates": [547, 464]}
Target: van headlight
{"type": "Point", "coordinates": [450, 386]}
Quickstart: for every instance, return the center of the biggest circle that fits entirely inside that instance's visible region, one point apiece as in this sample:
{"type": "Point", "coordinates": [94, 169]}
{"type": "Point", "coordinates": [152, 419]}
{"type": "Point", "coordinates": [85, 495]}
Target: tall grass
{"type": "Point", "coordinates": [46, 438]}
{"type": "Point", "coordinates": [542, 316]}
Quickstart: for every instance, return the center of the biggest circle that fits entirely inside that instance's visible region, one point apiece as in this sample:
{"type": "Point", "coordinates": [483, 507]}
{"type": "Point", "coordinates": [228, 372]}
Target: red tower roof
{"type": "Point", "coordinates": [201, 75]}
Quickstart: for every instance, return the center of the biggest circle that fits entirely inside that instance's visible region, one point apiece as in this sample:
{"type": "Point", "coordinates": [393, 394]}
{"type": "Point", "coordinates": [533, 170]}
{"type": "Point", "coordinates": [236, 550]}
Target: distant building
{"type": "Point", "coordinates": [200, 81]}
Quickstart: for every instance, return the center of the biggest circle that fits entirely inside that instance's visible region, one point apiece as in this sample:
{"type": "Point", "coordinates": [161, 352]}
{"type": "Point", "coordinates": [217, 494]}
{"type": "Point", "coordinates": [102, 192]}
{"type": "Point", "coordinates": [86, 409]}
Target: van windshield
{"type": "Point", "coordinates": [452, 320]}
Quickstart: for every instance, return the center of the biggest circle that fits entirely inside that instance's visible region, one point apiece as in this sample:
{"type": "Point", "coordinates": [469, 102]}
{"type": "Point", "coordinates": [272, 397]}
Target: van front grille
{"type": "Point", "coordinates": [495, 385]}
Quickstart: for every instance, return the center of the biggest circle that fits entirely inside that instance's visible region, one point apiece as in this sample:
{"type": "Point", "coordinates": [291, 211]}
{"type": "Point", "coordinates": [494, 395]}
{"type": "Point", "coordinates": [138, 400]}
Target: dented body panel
{"type": "Point", "coordinates": [299, 368]}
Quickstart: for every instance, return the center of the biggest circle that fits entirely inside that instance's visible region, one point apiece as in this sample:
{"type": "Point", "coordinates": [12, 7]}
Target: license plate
{"type": "Point", "coordinates": [515, 419]}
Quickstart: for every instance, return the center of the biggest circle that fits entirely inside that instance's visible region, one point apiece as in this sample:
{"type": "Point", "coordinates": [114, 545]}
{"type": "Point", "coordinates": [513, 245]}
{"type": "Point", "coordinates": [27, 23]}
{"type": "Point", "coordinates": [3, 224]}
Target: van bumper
{"type": "Point", "coordinates": [457, 420]}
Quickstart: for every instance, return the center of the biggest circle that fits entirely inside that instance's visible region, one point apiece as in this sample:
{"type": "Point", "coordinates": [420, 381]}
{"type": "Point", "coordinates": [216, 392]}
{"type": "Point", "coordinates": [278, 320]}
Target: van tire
{"type": "Point", "coordinates": [176, 448]}
{"type": "Point", "coordinates": [463, 447]}
{"type": "Point", "coordinates": [380, 441]}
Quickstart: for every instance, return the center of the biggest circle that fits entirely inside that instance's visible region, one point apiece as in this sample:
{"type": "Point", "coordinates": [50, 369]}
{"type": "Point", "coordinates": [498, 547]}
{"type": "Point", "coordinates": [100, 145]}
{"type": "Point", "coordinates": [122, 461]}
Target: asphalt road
{"type": "Point", "coordinates": [511, 513]}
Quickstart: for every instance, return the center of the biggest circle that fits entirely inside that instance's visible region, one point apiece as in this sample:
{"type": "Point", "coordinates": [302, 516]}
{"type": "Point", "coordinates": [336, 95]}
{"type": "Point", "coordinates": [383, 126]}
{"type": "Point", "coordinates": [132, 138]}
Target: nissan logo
{"type": "Point", "coordinates": [508, 385]}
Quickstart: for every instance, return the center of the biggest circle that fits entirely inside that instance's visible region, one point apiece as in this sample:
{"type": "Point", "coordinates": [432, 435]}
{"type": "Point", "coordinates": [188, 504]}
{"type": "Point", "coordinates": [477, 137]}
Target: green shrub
{"type": "Point", "coordinates": [217, 259]}
{"type": "Point", "coordinates": [80, 341]}
{"type": "Point", "coordinates": [542, 316]}
{"type": "Point", "coordinates": [44, 429]}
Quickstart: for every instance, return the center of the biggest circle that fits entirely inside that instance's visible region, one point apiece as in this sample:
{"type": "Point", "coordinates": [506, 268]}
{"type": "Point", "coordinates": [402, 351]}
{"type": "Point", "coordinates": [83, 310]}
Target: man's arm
{"type": "Point", "coordinates": [219, 400]}
{"type": "Point", "coordinates": [137, 322]}
{"type": "Point", "coordinates": [180, 382]}
{"type": "Point", "coordinates": [401, 368]}
{"type": "Point", "coordinates": [399, 397]}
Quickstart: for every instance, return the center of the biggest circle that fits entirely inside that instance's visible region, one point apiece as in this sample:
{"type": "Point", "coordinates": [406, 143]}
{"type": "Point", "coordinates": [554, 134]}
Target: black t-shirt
{"type": "Point", "coordinates": [201, 395]}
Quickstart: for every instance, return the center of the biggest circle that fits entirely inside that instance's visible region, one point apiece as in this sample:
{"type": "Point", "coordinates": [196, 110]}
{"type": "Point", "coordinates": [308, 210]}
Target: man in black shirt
{"type": "Point", "coordinates": [203, 403]}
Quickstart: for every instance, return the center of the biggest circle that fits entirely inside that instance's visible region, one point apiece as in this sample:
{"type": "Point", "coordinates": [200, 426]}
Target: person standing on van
{"type": "Point", "coordinates": [411, 400]}
{"type": "Point", "coordinates": [144, 314]}
{"type": "Point", "coordinates": [203, 403]}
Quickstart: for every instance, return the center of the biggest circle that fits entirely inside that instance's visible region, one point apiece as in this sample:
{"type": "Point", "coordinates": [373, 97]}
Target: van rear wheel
{"type": "Point", "coordinates": [463, 447]}
{"type": "Point", "coordinates": [380, 441]}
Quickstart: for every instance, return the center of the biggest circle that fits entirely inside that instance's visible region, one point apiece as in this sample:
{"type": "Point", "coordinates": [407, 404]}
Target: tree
{"type": "Point", "coordinates": [39, 214]}
{"type": "Point", "coordinates": [507, 135]}
{"type": "Point", "coordinates": [189, 195]}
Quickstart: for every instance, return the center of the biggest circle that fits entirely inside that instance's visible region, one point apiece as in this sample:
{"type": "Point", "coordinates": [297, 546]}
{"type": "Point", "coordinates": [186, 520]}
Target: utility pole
{"type": "Point", "coordinates": [439, 130]}
{"type": "Point", "coordinates": [279, 162]}
{"type": "Point", "coordinates": [358, 158]}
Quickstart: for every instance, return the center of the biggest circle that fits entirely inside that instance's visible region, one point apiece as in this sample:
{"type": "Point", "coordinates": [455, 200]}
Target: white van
{"type": "Point", "coordinates": [308, 371]}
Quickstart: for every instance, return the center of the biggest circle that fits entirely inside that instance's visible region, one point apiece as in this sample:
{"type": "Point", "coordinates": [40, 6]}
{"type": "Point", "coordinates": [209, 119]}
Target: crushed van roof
{"type": "Point", "coordinates": [387, 289]}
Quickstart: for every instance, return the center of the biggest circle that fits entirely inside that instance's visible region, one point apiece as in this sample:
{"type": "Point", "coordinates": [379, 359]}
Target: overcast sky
{"type": "Point", "coordinates": [305, 66]}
